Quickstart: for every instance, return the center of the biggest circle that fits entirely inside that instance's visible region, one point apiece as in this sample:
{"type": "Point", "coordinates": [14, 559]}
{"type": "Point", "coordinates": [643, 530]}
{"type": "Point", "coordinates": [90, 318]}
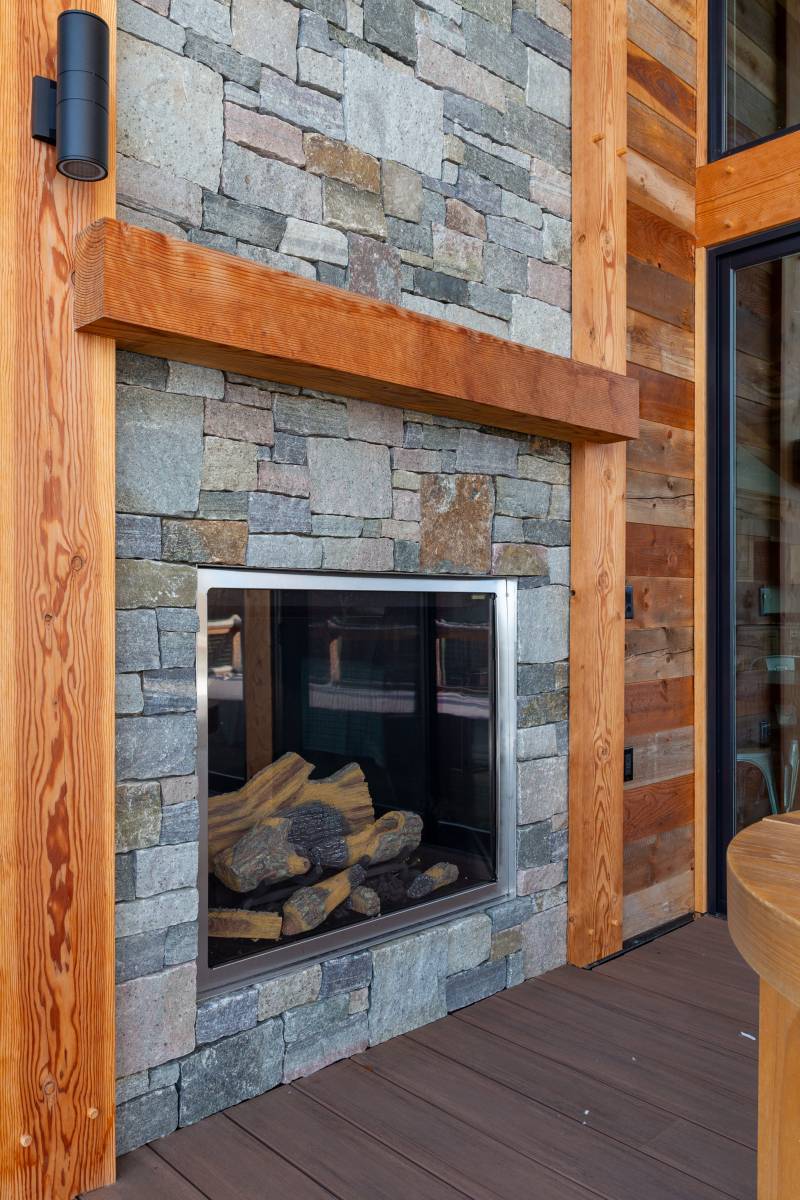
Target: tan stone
{"type": "Point", "coordinates": [402, 191]}
{"type": "Point", "coordinates": [465, 219]}
{"type": "Point", "coordinates": [353, 209]}
{"type": "Point", "coordinates": [340, 161]}
{"type": "Point", "coordinates": [508, 941]}
{"type": "Point", "coordinates": [514, 558]}
{"type": "Point", "coordinates": [456, 530]}
{"type": "Point", "coordinates": [239, 422]}
{"type": "Point", "coordinates": [264, 134]}
{"type": "Point", "coordinates": [205, 542]}
{"type": "Point", "coordinates": [457, 254]}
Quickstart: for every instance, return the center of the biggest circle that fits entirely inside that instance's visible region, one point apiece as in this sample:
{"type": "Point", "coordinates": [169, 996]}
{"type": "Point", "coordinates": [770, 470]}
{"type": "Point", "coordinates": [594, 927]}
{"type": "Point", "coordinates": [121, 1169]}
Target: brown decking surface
{"type": "Point", "coordinates": [633, 1081]}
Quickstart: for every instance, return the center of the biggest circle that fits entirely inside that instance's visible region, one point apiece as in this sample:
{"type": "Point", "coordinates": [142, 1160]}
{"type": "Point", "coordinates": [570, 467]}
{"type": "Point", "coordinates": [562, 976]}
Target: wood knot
{"type": "Point", "coordinates": [25, 1140]}
{"type": "Point", "coordinates": [77, 563]}
{"type": "Point", "coordinates": [93, 1113]}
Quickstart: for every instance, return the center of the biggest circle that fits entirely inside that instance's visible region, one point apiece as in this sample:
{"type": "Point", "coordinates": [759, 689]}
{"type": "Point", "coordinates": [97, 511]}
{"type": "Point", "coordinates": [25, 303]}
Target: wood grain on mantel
{"type": "Point", "coordinates": [157, 295]}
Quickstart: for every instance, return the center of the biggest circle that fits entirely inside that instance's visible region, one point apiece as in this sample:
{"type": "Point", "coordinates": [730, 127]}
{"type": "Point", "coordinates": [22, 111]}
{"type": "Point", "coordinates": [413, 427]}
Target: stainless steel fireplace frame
{"type": "Point", "coordinates": [276, 960]}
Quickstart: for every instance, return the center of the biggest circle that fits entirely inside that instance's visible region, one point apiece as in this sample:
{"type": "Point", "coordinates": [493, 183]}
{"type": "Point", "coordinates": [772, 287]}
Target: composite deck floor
{"type": "Point", "coordinates": [633, 1081]}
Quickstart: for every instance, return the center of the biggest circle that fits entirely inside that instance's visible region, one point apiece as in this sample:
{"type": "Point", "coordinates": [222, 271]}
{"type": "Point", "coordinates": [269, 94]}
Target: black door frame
{"type": "Point", "coordinates": [723, 262]}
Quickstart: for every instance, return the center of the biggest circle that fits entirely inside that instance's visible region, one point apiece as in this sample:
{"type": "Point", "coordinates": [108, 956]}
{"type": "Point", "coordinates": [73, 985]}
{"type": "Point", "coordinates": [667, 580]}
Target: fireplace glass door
{"type": "Point", "coordinates": [351, 757]}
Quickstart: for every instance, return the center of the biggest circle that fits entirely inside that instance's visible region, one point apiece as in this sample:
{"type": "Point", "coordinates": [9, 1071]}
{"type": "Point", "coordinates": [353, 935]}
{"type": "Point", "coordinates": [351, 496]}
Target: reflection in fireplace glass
{"type": "Point", "coordinates": [350, 758]}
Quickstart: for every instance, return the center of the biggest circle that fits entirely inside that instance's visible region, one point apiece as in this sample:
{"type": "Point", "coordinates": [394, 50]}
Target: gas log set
{"type": "Point", "coordinates": [298, 850]}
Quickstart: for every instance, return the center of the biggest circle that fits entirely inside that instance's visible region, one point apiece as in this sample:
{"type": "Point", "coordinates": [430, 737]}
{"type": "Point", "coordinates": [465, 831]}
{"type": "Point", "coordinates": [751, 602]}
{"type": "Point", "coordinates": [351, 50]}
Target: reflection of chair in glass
{"type": "Point", "coordinates": [761, 759]}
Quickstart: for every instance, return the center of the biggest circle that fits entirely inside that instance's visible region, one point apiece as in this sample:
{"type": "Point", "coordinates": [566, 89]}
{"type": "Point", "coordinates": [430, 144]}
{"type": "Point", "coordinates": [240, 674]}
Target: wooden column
{"type": "Point", "coordinates": [597, 643]}
{"type": "Point", "coordinates": [56, 658]}
{"type": "Point", "coordinates": [778, 1094]}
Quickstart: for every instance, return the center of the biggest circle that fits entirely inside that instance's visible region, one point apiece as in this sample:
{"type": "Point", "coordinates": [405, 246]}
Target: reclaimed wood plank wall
{"type": "Point", "coordinates": [659, 807]}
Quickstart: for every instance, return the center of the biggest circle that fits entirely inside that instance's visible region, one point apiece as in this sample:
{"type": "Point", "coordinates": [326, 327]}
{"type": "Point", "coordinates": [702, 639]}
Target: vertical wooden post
{"type": "Point", "coordinates": [597, 641]}
{"type": "Point", "coordinates": [778, 1095]}
{"type": "Point", "coordinates": [56, 657]}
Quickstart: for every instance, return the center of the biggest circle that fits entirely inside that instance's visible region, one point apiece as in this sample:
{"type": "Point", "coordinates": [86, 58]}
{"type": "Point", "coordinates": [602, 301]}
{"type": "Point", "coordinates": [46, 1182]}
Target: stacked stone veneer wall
{"type": "Point", "coordinates": [417, 152]}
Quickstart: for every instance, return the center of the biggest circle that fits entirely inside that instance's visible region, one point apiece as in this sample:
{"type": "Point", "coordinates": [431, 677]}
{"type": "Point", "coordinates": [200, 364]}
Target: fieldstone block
{"type": "Point", "coordinates": [456, 528]}
{"type": "Point", "coordinates": [448, 33]}
{"type": "Point", "coordinates": [408, 984]}
{"type": "Point", "coordinates": [505, 231]}
{"type": "Point", "coordinates": [515, 969]}
{"type": "Point", "coordinates": [509, 913]}
{"type": "Point", "coordinates": [222, 59]}
{"type": "Point", "coordinates": [512, 558]}
{"type": "Point", "coordinates": [180, 823]}
{"type": "Point", "coordinates": [171, 111]}
{"type": "Point", "coordinates": [546, 533]}
{"type": "Point", "coordinates": [358, 554]}
{"type": "Point", "coordinates": [285, 479]}
{"type": "Point", "coordinates": [138, 815]}
{"type": "Point", "coordinates": [205, 541]}
{"type": "Point", "coordinates": [471, 986]}
{"type": "Point", "coordinates": [267, 30]}
{"type": "Point", "coordinates": [165, 691]}
{"type": "Point", "coordinates": [245, 222]}
{"type": "Point", "coordinates": [142, 954]}
{"type": "Point", "coordinates": [179, 790]}
{"type": "Point", "coordinates": [167, 1075]}
{"type": "Point", "coordinates": [304, 107]}
{"type": "Point", "coordinates": [137, 537]}
{"type": "Point", "coordinates": [312, 1054]}
{"type": "Point", "coordinates": [541, 37]}
{"type": "Point", "coordinates": [392, 115]}
{"type": "Point", "coordinates": [478, 194]}
{"type": "Point", "coordinates": [557, 240]}
{"type": "Point", "coordinates": [136, 640]}
{"type": "Point", "coordinates": [349, 208]}
{"type": "Point", "coordinates": [158, 451]}
{"type": "Point", "coordinates": [440, 66]}
{"type": "Point", "coordinates": [522, 498]}
{"type": "Point", "coordinates": [448, 289]}
{"type": "Point", "coordinates": [177, 650]}
{"type": "Point", "coordinates": [559, 509]}
{"type": "Point", "coordinates": [313, 1021]}
{"type": "Point", "coordinates": [332, 10]}
{"type": "Point", "coordinates": [283, 551]}
{"type": "Point", "coordinates": [307, 416]}
{"type": "Point", "coordinates": [533, 845]}
{"type": "Point", "coordinates": [270, 512]}
{"type": "Point", "coordinates": [535, 677]}
{"type": "Point", "coordinates": [276, 996]}
{"type": "Point", "coordinates": [504, 269]}
{"type": "Point", "coordinates": [457, 254]}
{"type": "Point", "coordinates": [551, 188]}
{"type": "Point", "coordinates": [141, 370]}
{"type": "Point", "coordinates": [181, 943]}
{"type": "Point", "coordinates": [165, 868]}
{"type": "Point", "coordinates": [542, 326]}
{"type": "Point", "coordinates": [558, 565]}
{"type": "Point", "coordinates": [127, 695]}
{"type": "Point", "coordinates": [155, 1018]}
{"type": "Point", "coordinates": [192, 380]}
{"type": "Point", "coordinates": [124, 882]}
{"type": "Point", "coordinates": [507, 529]}
{"type": "Point", "coordinates": [390, 25]}
{"type": "Point", "coordinates": [146, 1118]}
{"type": "Point", "coordinates": [359, 1001]}
{"type": "Point", "coordinates": [152, 190]}
{"type": "Point", "coordinates": [228, 465]}
{"type": "Point", "coordinates": [537, 742]}
{"type": "Point", "coordinates": [320, 71]}
{"type": "Point", "coordinates": [406, 556]}
{"type": "Point", "coordinates": [349, 478]}
{"type": "Point", "coordinates": [548, 88]}
{"type": "Point", "coordinates": [375, 423]}
{"type": "Point", "coordinates": [269, 183]}
{"type": "Point", "coordinates": [541, 879]}
{"type": "Point", "coordinates": [235, 1069]}
{"type": "Point", "coordinates": [498, 11]}
{"type": "Point", "coordinates": [314, 34]}
{"type": "Point", "coordinates": [238, 422]}
{"type": "Point", "coordinates": [207, 17]}
{"type": "Point", "coordinates": [507, 942]}
{"type": "Point", "coordinates": [131, 1085]}
{"type": "Point", "coordinates": [543, 624]}
{"type": "Point", "coordinates": [346, 974]}
{"type": "Point", "coordinates": [543, 710]}
{"type": "Point", "coordinates": [533, 467]}
{"type": "Point", "coordinates": [545, 941]}
{"type": "Point", "coordinates": [338, 160]}
{"type": "Point", "coordinates": [327, 526]}
{"type": "Point", "coordinates": [495, 48]}
{"type": "Point", "coordinates": [468, 942]}
{"type": "Point", "coordinates": [149, 25]}
{"type": "Point", "coordinates": [487, 454]}
{"type": "Point", "coordinates": [464, 218]}
{"type": "Point", "coordinates": [490, 300]}
{"type": "Point", "coordinates": [225, 1015]}
{"type": "Point", "coordinates": [374, 268]}
{"type": "Point", "coordinates": [316, 242]}
{"type": "Point", "coordinates": [148, 747]}
{"type": "Point", "coordinates": [402, 191]}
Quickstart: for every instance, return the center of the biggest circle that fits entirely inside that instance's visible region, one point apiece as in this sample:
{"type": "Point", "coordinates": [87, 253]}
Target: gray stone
{"type": "Point", "coordinates": [543, 624]}
{"type": "Point", "coordinates": [155, 1018]}
{"type": "Point", "coordinates": [537, 742]}
{"type": "Point", "coordinates": [539, 879]}
{"type": "Point", "coordinates": [522, 498]}
{"type": "Point", "coordinates": [240, 422]}
{"type": "Point", "coordinates": [181, 943]}
{"type": "Point", "coordinates": [505, 231]}
{"type": "Point", "coordinates": [268, 183]}
{"type": "Point", "coordinates": [490, 300]}
{"type": "Point", "coordinates": [124, 878]}
{"type": "Point", "coordinates": [350, 208]}
{"type": "Point", "coordinates": [319, 70]}
{"type": "Point", "coordinates": [171, 111]}
{"type": "Point", "coordinates": [558, 565]}
{"type": "Point", "coordinates": [159, 451]}
{"type": "Point", "coordinates": [559, 503]}
{"type": "Point", "coordinates": [189, 379]}
{"type": "Point", "coordinates": [358, 554]}
{"type": "Point", "coordinates": [267, 30]}
{"type": "Point", "coordinates": [507, 529]}
{"type": "Point", "coordinates": [349, 478]}
{"type": "Point", "coordinates": [229, 465]}
{"type": "Point", "coordinates": [283, 551]}
{"type": "Point", "coordinates": [408, 984]}
{"type": "Point", "coordinates": [177, 620]}
{"type": "Point", "coordinates": [535, 677]}
{"type": "Point", "coordinates": [533, 845]}
{"type": "Point", "coordinates": [223, 506]}
{"type": "Point", "coordinates": [142, 954]}
{"type": "Point", "coordinates": [471, 986]}
{"type": "Point", "coordinates": [146, 1118]}
{"type": "Point", "coordinates": [306, 1057]}
{"type": "Point", "coordinates": [440, 66]}
{"type": "Point", "coordinates": [138, 537]}
{"type": "Point", "coordinates": [510, 913]}
{"type": "Point", "coordinates": [245, 222]}
{"type": "Point", "coordinates": [221, 58]}
{"type": "Point", "coordinates": [402, 191]}
{"type": "Point", "coordinates": [544, 944]}
{"type": "Point", "coordinates": [438, 286]}
{"type": "Point", "coordinates": [559, 843]}
{"type": "Point", "coordinates": [334, 276]}
{"type": "Point", "coordinates": [316, 242]}
{"type": "Point", "coordinates": [373, 268]}
{"type": "Point", "coordinates": [225, 1015]}
{"type": "Point", "coordinates": [165, 868]}
{"type": "Point", "coordinates": [169, 691]}
{"type": "Point", "coordinates": [487, 453]}
{"type": "Point", "coordinates": [375, 422]}
{"type": "Point", "coordinates": [498, 11]}
{"type": "Point", "coordinates": [346, 974]}
{"type": "Point", "coordinates": [308, 415]}
{"type": "Point", "coordinates": [541, 789]}
{"type": "Point", "coordinates": [167, 1075]}
{"type": "Point", "coordinates": [504, 268]}
{"type": "Point", "coordinates": [557, 241]}
{"type": "Point", "coordinates": [541, 37]}
{"type": "Point", "coordinates": [276, 996]}
{"type": "Point", "coordinates": [392, 115]}
{"type": "Point", "coordinates": [156, 912]}
{"type": "Point", "coordinates": [516, 969]}
{"type": "Point", "coordinates": [148, 747]}
{"type": "Point", "coordinates": [479, 194]}
{"type": "Point", "coordinates": [128, 698]}
{"type": "Point", "coordinates": [332, 10]}
{"type": "Point", "coordinates": [414, 239]}
{"type": "Point", "coordinates": [287, 480]}
{"type": "Point", "coordinates": [177, 650]}
{"type": "Point", "coordinates": [547, 533]}
{"type": "Point", "coordinates": [313, 33]}
{"type": "Point", "coordinates": [144, 23]}
{"type": "Point", "coordinates": [230, 1071]}
{"type": "Point", "coordinates": [327, 526]}
{"type": "Point", "coordinates": [179, 790]}
{"type": "Point", "coordinates": [406, 556]}
{"type": "Point", "coordinates": [480, 118]}
{"type": "Point", "coordinates": [131, 1085]}
{"type": "Point", "coordinates": [136, 640]}
{"type": "Point", "coordinates": [496, 49]}
{"type": "Point", "coordinates": [180, 823]}
{"type": "Point", "coordinates": [304, 107]}
{"type": "Point", "coordinates": [141, 370]}
{"type": "Point", "coordinates": [543, 710]}
{"type": "Point", "coordinates": [548, 88]}
{"type": "Point", "coordinates": [208, 17]}
{"type": "Point", "coordinates": [390, 25]}
{"type": "Point", "coordinates": [270, 512]}
{"type": "Point", "coordinates": [313, 1021]}
{"type": "Point", "coordinates": [533, 467]}
{"type": "Point", "coordinates": [468, 942]}
{"type": "Point", "coordinates": [537, 135]}
{"type": "Point", "coordinates": [138, 815]}
{"type": "Point", "coordinates": [513, 178]}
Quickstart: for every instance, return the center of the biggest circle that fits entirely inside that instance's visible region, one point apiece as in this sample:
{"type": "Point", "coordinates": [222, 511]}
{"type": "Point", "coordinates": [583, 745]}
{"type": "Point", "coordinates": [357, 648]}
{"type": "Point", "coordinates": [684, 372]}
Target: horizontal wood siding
{"type": "Point", "coordinates": [660, 548]}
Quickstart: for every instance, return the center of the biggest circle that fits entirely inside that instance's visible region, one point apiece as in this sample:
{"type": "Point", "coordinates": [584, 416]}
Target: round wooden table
{"type": "Point", "coordinates": [764, 921]}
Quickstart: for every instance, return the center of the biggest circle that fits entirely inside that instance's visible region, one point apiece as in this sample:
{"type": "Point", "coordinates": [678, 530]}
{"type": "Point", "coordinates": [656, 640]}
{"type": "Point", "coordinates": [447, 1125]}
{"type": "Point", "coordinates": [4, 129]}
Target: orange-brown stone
{"type": "Point", "coordinates": [337, 160]}
{"type": "Point", "coordinates": [456, 529]}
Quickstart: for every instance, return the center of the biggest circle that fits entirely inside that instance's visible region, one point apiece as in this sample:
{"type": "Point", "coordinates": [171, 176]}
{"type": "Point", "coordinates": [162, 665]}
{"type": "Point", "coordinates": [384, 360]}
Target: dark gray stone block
{"type": "Point", "coordinates": [346, 974]}
{"type": "Point", "coordinates": [235, 1069]}
{"type": "Point", "coordinates": [225, 1015]}
{"type": "Point", "coordinates": [146, 1118]}
{"type": "Point", "coordinates": [469, 987]}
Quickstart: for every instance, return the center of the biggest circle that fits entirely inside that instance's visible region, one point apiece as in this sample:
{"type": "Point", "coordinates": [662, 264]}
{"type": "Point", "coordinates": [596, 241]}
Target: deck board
{"type": "Point", "coordinates": [625, 1082]}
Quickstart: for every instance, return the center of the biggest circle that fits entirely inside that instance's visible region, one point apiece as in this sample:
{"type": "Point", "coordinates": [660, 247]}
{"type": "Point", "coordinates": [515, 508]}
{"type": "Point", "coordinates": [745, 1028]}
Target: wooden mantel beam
{"type": "Point", "coordinates": [157, 295]}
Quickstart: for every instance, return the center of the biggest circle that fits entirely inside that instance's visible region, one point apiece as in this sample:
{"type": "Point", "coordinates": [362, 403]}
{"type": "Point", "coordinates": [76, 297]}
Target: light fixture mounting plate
{"type": "Point", "coordinates": [43, 110]}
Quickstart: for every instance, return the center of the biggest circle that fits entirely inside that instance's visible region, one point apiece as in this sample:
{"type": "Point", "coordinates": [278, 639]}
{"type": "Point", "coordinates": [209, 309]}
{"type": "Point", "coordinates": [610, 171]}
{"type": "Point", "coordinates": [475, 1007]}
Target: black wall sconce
{"type": "Point", "coordinates": [71, 113]}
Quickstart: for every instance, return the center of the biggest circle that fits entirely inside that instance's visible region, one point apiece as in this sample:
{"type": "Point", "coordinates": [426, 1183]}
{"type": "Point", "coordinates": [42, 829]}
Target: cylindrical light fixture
{"type": "Point", "coordinates": [82, 96]}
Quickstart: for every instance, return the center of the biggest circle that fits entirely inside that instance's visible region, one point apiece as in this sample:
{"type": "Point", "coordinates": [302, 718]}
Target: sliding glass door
{"type": "Point", "coordinates": [755, 539]}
